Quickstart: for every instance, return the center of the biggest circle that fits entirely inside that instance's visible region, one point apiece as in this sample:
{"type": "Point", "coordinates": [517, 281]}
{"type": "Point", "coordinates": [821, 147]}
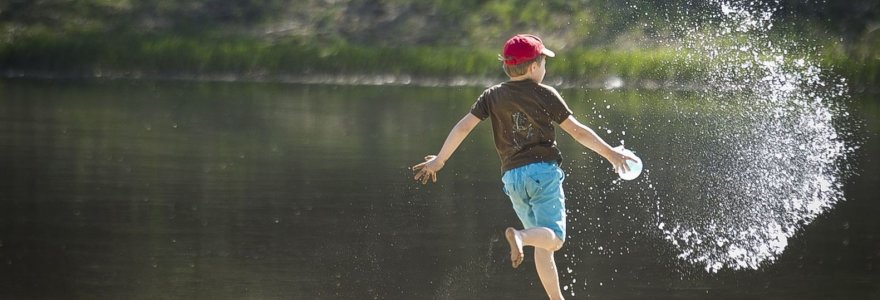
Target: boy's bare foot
{"type": "Point", "coordinates": [515, 242]}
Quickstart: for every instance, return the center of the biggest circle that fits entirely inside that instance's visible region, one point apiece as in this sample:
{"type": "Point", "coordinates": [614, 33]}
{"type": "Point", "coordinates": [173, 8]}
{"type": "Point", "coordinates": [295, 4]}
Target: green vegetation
{"type": "Point", "coordinates": [265, 38]}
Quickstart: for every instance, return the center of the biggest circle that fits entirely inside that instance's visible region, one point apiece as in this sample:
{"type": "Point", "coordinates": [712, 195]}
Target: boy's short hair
{"type": "Point", "coordinates": [519, 69]}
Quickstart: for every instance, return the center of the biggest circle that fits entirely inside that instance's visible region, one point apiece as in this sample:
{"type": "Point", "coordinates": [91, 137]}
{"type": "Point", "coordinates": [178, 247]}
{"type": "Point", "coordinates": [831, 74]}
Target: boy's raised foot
{"type": "Point", "coordinates": [516, 245]}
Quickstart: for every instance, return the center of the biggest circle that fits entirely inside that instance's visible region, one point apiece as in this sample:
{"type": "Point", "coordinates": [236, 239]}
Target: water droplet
{"type": "Point", "coordinates": [759, 203]}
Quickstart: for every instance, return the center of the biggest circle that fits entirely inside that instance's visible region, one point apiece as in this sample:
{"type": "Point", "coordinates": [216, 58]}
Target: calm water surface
{"type": "Point", "coordinates": [154, 190]}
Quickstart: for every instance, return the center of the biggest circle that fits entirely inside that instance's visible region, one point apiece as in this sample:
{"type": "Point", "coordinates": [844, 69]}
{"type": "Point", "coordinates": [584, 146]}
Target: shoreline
{"type": "Point", "coordinates": [609, 83]}
{"type": "Point", "coordinates": [159, 57]}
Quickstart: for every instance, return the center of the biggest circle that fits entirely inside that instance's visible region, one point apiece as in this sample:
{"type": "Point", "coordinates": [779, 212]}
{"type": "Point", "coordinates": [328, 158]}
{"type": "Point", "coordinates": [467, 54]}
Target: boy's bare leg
{"type": "Point", "coordinates": [540, 237]}
{"type": "Point", "coordinates": [546, 243]}
{"type": "Point", "coordinates": [546, 266]}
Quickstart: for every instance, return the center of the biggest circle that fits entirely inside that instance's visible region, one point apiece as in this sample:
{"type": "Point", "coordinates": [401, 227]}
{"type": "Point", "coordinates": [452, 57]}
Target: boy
{"type": "Point", "coordinates": [522, 111]}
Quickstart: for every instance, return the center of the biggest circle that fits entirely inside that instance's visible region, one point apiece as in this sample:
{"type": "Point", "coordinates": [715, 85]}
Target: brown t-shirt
{"type": "Point", "coordinates": [521, 114]}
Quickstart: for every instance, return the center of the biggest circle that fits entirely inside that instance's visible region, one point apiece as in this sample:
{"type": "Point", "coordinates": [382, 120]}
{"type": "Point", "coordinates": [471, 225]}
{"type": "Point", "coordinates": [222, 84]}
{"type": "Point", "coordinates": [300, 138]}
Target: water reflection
{"type": "Point", "coordinates": [117, 189]}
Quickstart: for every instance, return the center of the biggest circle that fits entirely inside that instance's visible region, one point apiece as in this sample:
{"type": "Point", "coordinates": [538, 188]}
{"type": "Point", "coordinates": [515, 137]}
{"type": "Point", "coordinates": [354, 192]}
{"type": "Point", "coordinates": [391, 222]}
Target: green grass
{"type": "Point", "coordinates": [90, 53]}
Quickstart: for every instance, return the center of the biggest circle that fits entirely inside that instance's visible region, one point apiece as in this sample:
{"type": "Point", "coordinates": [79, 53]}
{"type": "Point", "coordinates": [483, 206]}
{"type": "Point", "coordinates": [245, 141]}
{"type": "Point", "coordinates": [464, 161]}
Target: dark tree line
{"type": "Point", "coordinates": [442, 22]}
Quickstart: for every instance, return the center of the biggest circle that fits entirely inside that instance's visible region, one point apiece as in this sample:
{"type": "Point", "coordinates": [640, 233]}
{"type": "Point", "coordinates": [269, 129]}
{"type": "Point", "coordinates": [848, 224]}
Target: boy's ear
{"type": "Point", "coordinates": [534, 66]}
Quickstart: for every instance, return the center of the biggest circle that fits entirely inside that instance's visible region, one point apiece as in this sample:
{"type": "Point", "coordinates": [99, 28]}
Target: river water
{"type": "Point", "coordinates": [185, 190]}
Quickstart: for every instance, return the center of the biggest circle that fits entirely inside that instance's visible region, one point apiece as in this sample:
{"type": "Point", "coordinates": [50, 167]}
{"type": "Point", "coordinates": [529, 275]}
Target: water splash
{"type": "Point", "coordinates": [775, 159]}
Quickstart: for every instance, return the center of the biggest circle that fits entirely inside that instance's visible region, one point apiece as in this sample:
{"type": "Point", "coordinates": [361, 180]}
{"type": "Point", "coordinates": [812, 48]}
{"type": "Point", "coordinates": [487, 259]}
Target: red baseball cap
{"type": "Point", "coordinates": [524, 47]}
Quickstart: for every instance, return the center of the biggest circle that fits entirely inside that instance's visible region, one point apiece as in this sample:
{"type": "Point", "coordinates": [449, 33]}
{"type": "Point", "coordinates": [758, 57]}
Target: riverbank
{"type": "Point", "coordinates": [139, 56]}
{"type": "Point", "coordinates": [352, 79]}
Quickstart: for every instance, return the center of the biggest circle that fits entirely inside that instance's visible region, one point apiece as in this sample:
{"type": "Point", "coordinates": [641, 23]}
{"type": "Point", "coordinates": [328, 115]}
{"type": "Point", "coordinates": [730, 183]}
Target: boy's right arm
{"type": "Point", "coordinates": [587, 137]}
{"type": "Point", "coordinates": [433, 163]}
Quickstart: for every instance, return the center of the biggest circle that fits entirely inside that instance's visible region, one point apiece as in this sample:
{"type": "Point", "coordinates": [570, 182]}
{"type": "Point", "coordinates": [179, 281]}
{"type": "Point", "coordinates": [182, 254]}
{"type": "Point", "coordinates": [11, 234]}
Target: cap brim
{"type": "Point", "coordinates": [547, 52]}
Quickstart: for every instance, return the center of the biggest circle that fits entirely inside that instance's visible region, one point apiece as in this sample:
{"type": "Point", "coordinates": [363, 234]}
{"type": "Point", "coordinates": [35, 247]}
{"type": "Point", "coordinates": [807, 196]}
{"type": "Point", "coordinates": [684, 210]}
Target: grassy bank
{"type": "Point", "coordinates": [89, 53]}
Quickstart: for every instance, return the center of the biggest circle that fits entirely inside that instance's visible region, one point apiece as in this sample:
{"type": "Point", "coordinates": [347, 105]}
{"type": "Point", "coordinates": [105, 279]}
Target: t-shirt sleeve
{"type": "Point", "coordinates": [481, 107]}
{"type": "Point", "coordinates": [556, 107]}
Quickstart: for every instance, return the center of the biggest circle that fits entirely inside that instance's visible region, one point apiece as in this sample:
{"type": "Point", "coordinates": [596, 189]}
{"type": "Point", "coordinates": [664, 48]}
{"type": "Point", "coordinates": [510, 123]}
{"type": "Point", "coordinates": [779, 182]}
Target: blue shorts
{"type": "Point", "coordinates": [535, 190]}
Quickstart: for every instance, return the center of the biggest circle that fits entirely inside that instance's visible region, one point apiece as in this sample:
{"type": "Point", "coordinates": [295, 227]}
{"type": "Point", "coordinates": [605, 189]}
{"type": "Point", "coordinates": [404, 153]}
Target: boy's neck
{"type": "Point", "coordinates": [523, 78]}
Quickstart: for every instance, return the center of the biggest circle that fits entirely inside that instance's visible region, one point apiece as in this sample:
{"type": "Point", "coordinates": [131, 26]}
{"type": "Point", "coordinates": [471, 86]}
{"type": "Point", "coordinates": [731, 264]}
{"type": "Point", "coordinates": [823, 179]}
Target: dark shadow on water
{"type": "Point", "coordinates": [148, 190]}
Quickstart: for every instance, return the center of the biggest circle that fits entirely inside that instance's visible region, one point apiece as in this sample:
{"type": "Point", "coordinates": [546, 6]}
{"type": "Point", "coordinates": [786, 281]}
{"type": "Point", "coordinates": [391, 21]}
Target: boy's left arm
{"type": "Point", "coordinates": [588, 138]}
{"type": "Point", "coordinates": [433, 163]}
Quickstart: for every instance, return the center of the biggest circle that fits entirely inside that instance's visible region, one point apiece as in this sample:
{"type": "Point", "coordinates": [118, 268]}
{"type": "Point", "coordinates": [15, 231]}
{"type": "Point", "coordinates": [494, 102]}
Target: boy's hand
{"type": "Point", "coordinates": [618, 159]}
{"type": "Point", "coordinates": [428, 169]}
